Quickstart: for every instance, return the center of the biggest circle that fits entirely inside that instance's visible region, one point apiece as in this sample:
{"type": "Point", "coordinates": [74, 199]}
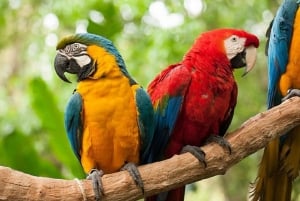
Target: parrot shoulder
{"type": "Point", "coordinates": [173, 81]}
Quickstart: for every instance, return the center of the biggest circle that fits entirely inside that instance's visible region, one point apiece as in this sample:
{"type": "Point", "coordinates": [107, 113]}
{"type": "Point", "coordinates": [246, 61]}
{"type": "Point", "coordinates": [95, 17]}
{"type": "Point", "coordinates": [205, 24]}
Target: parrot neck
{"type": "Point", "coordinates": [110, 69]}
{"type": "Point", "coordinates": [108, 63]}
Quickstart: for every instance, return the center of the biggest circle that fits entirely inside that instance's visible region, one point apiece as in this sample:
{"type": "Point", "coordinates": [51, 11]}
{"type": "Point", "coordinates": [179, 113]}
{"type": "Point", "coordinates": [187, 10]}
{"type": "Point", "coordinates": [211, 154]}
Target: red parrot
{"type": "Point", "coordinates": [194, 100]}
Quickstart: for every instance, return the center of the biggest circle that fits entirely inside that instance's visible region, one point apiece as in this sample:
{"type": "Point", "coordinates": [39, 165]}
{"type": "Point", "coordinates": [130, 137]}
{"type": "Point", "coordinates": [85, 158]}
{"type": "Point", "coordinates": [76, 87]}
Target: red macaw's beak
{"type": "Point", "coordinates": [63, 64]}
{"type": "Point", "coordinates": [246, 59]}
{"type": "Point", "coordinates": [251, 53]}
{"type": "Point", "coordinates": [251, 45]}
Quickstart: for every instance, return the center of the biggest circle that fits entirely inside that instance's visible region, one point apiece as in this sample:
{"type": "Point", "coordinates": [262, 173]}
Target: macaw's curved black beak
{"type": "Point", "coordinates": [247, 59]}
{"type": "Point", "coordinates": [63, 64]}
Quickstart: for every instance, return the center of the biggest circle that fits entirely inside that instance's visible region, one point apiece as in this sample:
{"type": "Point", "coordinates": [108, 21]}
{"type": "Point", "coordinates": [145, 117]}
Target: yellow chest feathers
{"type": "Point", "coordinates": [110, 133]}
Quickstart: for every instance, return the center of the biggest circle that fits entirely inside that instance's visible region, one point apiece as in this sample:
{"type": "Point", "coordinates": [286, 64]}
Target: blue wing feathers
{"type": "Point", "coordinates": [172, 111]}
{"type": "Point", "coordinates": [280, 35]}
{"type": "Point", "coordinates": [165, 121]}
{"type": "Point", "coordinates": [173, 83]}
{"type": "Point", "coordinates": [73, 122]}
{"type": "Point", "coordinates": [278, 48]}
{"type": "Point", "coordinates": [146, 124]}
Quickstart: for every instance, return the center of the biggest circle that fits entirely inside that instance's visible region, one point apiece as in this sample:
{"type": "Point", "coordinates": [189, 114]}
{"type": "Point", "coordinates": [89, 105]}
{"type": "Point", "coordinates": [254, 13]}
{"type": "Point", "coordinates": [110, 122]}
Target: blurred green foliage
{"type": "Point", "coordinates": [150, 35]}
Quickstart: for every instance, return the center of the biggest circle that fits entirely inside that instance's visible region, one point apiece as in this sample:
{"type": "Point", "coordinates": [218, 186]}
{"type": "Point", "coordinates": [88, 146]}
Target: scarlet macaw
{"type": "Point", "coordinates": [109, 118]}
{"type": "Point", "coordinates": [281, 158]}
{"type": "Point", "coordinates": [194, 100]}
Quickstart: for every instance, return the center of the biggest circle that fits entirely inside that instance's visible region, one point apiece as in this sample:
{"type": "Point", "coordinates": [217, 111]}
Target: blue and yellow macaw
{"type": "Point", "coordinates": [280, 163]}
{"type": "Point", "coordinates": [109, 118]}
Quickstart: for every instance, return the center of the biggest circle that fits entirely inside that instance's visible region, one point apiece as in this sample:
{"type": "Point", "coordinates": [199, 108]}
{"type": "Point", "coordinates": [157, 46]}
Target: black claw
{"type": "Point", "coordinates": [135, 174]}
{"type": "Point", "coordinates": [291, 93]}
{"type": "Point", "coordinates": [195, 151]}
{"type": "Point", "coordinates": [220, 141]}
{"type": "Point", "coordinates": [95, 175]}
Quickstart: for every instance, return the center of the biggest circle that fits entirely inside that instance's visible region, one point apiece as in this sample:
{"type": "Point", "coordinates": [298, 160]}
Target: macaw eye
{"type": "Point", "coordinates": [75, 47]}
{"type": "Point", "coordinates": [234, 38]}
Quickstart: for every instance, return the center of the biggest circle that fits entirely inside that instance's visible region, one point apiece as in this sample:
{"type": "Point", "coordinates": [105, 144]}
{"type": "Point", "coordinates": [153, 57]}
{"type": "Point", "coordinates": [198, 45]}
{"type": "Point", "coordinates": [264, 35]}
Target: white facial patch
{"type": "Point", "coordinates": [234, 45]}
{"type": "Point", "coordinates": [82, 60]}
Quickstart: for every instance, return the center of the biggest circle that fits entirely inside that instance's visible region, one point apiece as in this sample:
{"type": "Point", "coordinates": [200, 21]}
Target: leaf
{"type": "Point", "coordinates": [112, 19]}
{"type": "Point", "coordinates": [44, 105]}
{"type": "Point", "coordinates": [20, 154]}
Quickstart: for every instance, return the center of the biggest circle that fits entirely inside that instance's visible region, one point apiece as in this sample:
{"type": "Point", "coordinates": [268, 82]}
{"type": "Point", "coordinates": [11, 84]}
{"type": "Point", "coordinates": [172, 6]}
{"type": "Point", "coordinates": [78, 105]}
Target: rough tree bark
{"type": "Point", "coordinates": [253, 135]}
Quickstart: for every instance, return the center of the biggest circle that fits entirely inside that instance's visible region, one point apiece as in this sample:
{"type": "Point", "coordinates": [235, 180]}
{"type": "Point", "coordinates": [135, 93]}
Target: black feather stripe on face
{"type": "Point", "coordinates": [73, 67]}
{"type": "Point", "coordinates": [239, 60]}
{"type": "Point", "coordinates": [87, 71]}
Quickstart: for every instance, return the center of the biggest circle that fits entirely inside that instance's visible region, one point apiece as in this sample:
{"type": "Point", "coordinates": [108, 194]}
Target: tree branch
{"type": "Point", "coordinates": [253, 135]}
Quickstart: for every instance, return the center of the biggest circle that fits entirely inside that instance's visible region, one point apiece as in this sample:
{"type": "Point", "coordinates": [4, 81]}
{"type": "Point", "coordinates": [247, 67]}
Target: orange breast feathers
{"type": "Point", "coordinates": [110, 133]}
{"type": "Point", "coordinates": [291, 78]}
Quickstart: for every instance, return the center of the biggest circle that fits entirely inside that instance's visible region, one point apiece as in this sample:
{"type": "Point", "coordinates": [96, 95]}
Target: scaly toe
{"type": "Point", "coordinates": [195, 151]}
{"type": "Point", "coordinates": [95, 175]}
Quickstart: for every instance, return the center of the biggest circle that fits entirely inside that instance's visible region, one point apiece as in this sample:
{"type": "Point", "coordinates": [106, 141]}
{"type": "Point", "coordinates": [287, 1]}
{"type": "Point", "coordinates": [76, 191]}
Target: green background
{"type": "Point", "coordinates": [150, 35]}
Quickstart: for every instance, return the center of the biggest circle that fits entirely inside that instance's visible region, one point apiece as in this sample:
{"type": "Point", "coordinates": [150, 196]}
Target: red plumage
{"type": "Point", "coordinates": [196, 97]}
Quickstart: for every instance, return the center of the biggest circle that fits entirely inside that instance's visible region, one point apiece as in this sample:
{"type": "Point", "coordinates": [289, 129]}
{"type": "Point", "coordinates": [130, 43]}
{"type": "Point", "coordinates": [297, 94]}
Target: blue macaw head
{"type": "Point", "coordinates": [75, 55]}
